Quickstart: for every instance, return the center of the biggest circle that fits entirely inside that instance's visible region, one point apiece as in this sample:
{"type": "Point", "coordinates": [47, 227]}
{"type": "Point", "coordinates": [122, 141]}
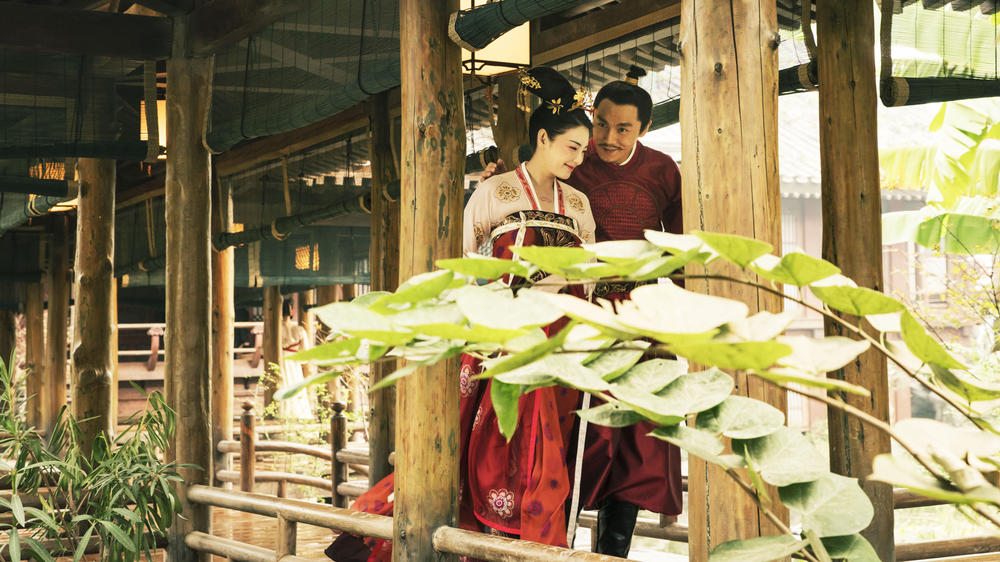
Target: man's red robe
{"type": "Point", "coordinates": [624, 463]}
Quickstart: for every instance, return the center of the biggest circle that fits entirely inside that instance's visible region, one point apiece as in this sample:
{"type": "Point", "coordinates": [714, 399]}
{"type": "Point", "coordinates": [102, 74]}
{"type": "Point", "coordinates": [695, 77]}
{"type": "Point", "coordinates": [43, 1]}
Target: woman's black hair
{"type": "Point", "coordinates": [286, 308]}
{"type": "Point", "coordinates": [559, 110]}
{"type": "Point", "coordinates": [628, 92]}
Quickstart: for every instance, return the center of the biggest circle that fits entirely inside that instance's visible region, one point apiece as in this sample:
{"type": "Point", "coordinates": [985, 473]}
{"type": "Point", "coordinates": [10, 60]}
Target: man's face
{"type": "Point", "coordinates": [616, 130]}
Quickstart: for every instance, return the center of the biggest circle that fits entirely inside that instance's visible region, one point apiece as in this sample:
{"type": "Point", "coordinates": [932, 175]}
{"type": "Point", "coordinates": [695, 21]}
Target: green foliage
{"type": "Point", "coordinates": [439, 316]}
{"type": "Point", "coordinates": [122, 492]}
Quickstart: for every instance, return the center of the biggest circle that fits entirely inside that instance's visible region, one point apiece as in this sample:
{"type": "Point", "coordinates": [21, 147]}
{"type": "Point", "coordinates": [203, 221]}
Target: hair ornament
{"type": "Point", "coordinates": [634, 74]}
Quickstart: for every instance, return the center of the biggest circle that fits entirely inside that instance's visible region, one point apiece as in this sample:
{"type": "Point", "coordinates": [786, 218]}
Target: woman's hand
{"type": "Point", "coordinates": [492, 169]}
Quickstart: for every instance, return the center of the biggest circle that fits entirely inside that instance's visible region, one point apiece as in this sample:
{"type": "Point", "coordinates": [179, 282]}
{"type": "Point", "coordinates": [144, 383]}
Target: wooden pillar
{"type": "Point", "coordinates": [433, 159]}
{"type": "Point", "coordinates": [384, 260]}
{"type": "Point", "coordinates": [272, 343]}
{"type": "Point", "coordinates": [223, 316]}
{"type": "Point", "coordinates": [7, 335]}
{"type": "Point", "coordinates": [34, 343]}
{"type": "Point", "coordinates": [511, 128]}
{"type": "Point", "coordinates": [189, 296]}
{"type": "Point", "coordinates": [730, 184]}
{"type": "Point", "coordinates": [852, 231]}
{"type": "Point", "coordinates": [114, 354]}
{"type": "Point", "coordinates": [53, 396]}
{"type": "Point", "coordinates": [93, 331]}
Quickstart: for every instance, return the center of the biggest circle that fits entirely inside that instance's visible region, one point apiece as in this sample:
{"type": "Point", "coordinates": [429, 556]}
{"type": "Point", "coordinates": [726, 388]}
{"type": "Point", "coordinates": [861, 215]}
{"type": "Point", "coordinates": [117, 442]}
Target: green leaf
{"type": "Point", "coordinates": [498, 309]}
{"type": "Point", "coordinates": [858, 301]}
{"type": "Point", "coordinates": [783, 457]}
{"type": "Point", "coordinates": [484, 267]}
{"type": "Point", "coordinates": [38, 549]}
{"type": "Point", "coordinates": [696, 442]}
{"type": "Point", "coordinates": [610, 415]}
{"type": "Point", "coordinates": [794, 268]}
{"type": "Point", "coordinates": [368, 298]}
{"type": "Point", "coordinates": [737, 355]}
{"type": "Point", "coordinates": [831, 505]}
{"type": "Point", "coordinates": [419, 288]}
{"type": "Point", "coordinates": [613, 363]}
{"type": "Point", "coordinates": [423, 314]}
{"type": "Point", "coordinates": [81, 547]}
{"type": "Point", "coordinates": [851, 548]}
{"type": "Point", "coordinates": [592, 315]}
{"type": "Point", "coordinates": [599, 270]}
{"type": "Point", "coordinates": [738, 417]}
{"type": "Point", "coordinates": [330, 351]}
{"type": "Point", "coordinates": [411, 366]}
{"type": "Point", "coordinates": [737, 249]}
{"type": "Point", "coordinates": [926, 348]}
{"type": "Point", "coordinates": [973, 390]}
{"type": "Point", "coordinates": [17, 508]}
{"type": "Point", "coordinates": [931, 435]}
{"type": "Point", "coordinates": [121, 537]}
{"type": "Point", "coordinates": [758, 549]}
{"type": "Point", "coordinates": [553, 258]}
{"type": "Point", "coordinates": [665, 311]}
{"type": "Point", "coordinates": [622, 251]}
{"type": "Point", "coordinates": [698, 391]}
{"type": "Point", "coordinates": [128, 514]}
{"type": "Point", "coordinates": [652, 375]}
{"type": "Point", "coordinates": [820, 355]}
{"type": "Point", "coordinates": [566, 369]}
{"type": "Point", "coordinates": [14, 544]}
{"type": "Point", "coordinates": [762, 326]}
{"type": "Point", "coordinates": [816, 545]}
{"type": "Point", "coordinates": [674, 243]}
{"type": "Point", "coordinates": [792, 376]}
{"type": "Point", "coordinates": [42, 516]}
{"type": "Point", "coordinates": [527, 356]}
{"type": "Point", "coordinates": [756, 481]}
{"type": "Point", "coordinates": [663, 266]}
{"type": "Point", "coordinates": [470, 334]}
{"type": "Point", "coordinates": [505, 399]}
{"type": "Point", "coordinates": [354, 319]}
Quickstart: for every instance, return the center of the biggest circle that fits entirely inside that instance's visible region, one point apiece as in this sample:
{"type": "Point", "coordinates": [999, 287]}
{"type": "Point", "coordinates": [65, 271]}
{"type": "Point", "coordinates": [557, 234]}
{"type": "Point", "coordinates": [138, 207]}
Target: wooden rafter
{"type": "Point", "coordinates": [599, 27]}
{"type": "Point", "coordinates": [83, 32]}
{"type": "Point", "coordinates": [221, 23]}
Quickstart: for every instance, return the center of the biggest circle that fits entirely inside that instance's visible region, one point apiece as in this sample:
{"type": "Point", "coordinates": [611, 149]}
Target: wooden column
{"type": "Point", "coordinates": [852, 230]}
{"type": "Point", "coordinates": [34, 343]}
{"type": "Point", "coordinates": [114, 354]}
{"type": "Point", "coordinates": [223, 316]}
{"type": "Point", "coordinates": [326, 294]}
{"type": "Point", "coordinates": [730, 173]}
{"type": "Point", "coordinates": [272, 342]}
{"type": "Point", "coordinates": [511, 129]}
{"type": "Point", "coordinates": [54, 389]}
{"type": "Point", "coordinates": [433, 156]}
{"type": "Point", "coordinates": [384, 260]}
{"type": "Point", "coordinates": [93, 346]}
{"type": "Point", "coordinates": [7, 335]}
{"type": "Point", "coordinates": [189, 296]}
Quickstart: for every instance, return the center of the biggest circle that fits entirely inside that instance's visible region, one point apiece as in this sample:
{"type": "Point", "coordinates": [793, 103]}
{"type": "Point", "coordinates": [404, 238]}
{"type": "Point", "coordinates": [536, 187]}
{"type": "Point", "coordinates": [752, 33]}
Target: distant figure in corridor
{"type": "Point", "coordinates": [293, 339]}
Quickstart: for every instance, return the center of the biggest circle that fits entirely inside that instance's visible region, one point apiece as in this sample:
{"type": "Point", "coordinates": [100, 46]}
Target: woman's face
{"type": "Point", "coordinates": [564, 152]}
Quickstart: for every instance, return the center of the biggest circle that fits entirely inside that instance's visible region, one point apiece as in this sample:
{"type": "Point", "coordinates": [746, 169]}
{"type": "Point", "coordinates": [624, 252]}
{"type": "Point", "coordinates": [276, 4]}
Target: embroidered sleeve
{"type": "Point", "coordinates": [476, 220]}
{"type": "Point", "coordinates": [586, 222]}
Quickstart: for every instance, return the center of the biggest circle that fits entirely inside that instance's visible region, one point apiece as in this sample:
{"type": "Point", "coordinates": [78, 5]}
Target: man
{"type": "Point", "coordinates": [631, 188]}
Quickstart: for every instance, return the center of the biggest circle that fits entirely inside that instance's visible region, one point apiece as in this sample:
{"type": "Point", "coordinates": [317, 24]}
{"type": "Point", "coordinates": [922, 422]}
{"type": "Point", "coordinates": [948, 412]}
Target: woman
{"type": "Point", "coordinates": [293, 339]}
{"type": "Point", "coordinates": [518, 488]}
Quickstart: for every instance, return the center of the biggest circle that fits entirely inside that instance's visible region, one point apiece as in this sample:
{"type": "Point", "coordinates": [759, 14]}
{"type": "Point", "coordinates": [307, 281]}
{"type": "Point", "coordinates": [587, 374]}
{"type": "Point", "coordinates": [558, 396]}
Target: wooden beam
{"type": "Point", "coordinates": [83, 32]}
{"type": "Point", "coordinates": [599, 27]}
{"type": "Point", "coordinates": [223, 315]}
{"type": "Point", "coordinates": [221, 23]}
{"type": "Point", "coordinates": [852, 232]}
{"type": "Point", "coordinates": [54, 390]}
{"type": "Point", "coordinates": [92, 368]}
{"type": "Point", "coordinates": [188, 292]}
{"type": "Point", "coordinates": [384, 260]}
{"type": "Point", "coordinates": [433, 162]}
{"type": "Point", "coordinates": [274, 147]}
{"type": "Point", "coordinates": [730, 184]}
{"type": "Point", "coordinates": [271, 352]}
{"type": "Point", "coordinates": [34, 343]}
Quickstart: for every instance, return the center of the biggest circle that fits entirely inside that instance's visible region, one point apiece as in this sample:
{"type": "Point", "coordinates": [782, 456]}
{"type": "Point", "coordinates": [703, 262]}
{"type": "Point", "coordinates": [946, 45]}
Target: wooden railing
{"type": "Point", "coordinates": [343, 490]}
{"type": "Point", "coordinates": [155, 332]}
{"type": "Point", "coordinates": [290, 513]}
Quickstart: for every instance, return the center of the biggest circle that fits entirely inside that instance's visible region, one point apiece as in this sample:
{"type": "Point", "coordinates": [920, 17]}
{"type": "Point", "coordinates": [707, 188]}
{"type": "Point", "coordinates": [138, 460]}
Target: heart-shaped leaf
{"type": "Point", "coordinates": [831, 505]}
{"type": "Point", "coordinates": [739, 417]}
